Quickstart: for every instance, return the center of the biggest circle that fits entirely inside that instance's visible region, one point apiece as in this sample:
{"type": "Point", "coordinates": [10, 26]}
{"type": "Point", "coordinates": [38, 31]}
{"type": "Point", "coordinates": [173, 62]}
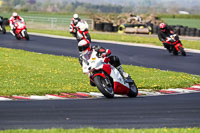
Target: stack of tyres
{"type": "Point", "coordinates": [192, 31]}
{"type": "Point", "coordinates": [99, 26]}
{"type": "Point", "coordinates": [108, 27]}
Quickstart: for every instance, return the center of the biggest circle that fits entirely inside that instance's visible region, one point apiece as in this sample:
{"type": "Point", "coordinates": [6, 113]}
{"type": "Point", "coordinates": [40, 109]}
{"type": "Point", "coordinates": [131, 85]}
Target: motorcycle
{"type": "Point", "coordinates": [80, 31]}
{"type": "Point", "coordinates": [106, 78]}
{"type": "Point", "coordinates": [20, 30]}
{"type": "Point", "coordinates": [2, 26]}
{"type": "Point", "coordinates": [175, 45]}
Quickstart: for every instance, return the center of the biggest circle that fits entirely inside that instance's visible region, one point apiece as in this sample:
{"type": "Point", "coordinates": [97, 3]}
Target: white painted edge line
{"type": "Point", "coordinates": [54, 97]}
{"type": "Point", "coordinates": [35, 97]}
{"type": "Point", "coordinates": [180, 90]}
{"type": "Point", "coordinates": [115, 42]}
{"type": "Point", "coordinates": [195, 87]}
{"type": "Point", "coordinates": [4, 99]}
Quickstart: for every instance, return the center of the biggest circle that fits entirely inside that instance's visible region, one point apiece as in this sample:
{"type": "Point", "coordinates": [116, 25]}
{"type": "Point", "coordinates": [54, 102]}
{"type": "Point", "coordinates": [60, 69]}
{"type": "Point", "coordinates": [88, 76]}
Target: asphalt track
{"type": "Point", "coordinates": [139, 56]}
{"type": "Point", "coordinates": [141, 112]}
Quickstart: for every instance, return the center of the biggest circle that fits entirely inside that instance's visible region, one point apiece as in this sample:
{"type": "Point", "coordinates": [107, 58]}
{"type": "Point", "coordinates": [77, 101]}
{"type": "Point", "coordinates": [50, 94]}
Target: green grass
{"type": "Point", "coordinates": [195, 23]}
{"type": "Point", "coordinates": [27, 73]}
{"type": "Point", "coordinates": [95, 130]}
{"type": "Point", "coordinates": [122, 38]}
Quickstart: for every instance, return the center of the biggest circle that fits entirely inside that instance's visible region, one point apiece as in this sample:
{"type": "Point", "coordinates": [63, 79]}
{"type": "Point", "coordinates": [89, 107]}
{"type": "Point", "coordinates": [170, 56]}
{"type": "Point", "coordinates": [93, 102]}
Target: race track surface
{"type": "Point", "coordinates": [139, 56]}
{"type": "Point", "coordinates": [141, 112]}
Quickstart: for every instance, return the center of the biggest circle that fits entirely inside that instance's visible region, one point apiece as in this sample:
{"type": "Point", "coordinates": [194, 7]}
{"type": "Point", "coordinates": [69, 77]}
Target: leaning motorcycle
{"type": "Point", "coordinates": [21, 31]}
{"type": "Point", "coordinates": [176, 45]}
{"type": "Point", "coordinates": [107, 78]}
{"type": "Point", "coordinates": [80, 31]}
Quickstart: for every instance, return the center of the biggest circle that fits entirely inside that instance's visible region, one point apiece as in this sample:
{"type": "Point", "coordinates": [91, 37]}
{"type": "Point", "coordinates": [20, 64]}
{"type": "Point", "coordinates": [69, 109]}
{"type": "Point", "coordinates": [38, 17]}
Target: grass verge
{"type": "Point", "coordinates": [28, 73]}
{"type": "Point", "coordinates": [121, 38]}
{"type": "Point", "coordinates": [95, 130]}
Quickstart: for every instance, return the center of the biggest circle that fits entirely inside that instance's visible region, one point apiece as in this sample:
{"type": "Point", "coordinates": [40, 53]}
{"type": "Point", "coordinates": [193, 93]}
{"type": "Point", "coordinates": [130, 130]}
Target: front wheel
{"type": "Point", "coordinates": [183, 53]}
{"type": "Point", "coordinates": [3, 29]}
{"type": "Point", "coordinates": [102, 86]}
{"type": "Point", "coordinates": [133, 90]}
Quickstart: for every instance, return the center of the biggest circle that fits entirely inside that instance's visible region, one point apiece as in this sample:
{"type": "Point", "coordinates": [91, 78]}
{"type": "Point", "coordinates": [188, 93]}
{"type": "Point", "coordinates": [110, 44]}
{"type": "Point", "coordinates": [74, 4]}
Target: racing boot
{"type": "Point", "coordinates": [125, 75]}
{"type": "Point", "coordinates": [12, 32]}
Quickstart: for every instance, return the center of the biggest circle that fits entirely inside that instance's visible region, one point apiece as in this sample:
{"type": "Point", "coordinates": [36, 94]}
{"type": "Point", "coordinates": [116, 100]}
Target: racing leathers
{"type": "Point", "coordinates": [12, 22]}
{"type": "Point", "coordinates": [163, 37]}
{"type": "Point", "coordinates": [113, 60]}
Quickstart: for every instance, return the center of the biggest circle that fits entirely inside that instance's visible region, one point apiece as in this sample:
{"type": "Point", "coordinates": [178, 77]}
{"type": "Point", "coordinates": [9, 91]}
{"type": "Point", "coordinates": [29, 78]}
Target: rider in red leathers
{"type": "Point", "coordinates": [163, 34]}
{"type": "Point", "coordinates": [12, 20]}
{"type": "Point", "coordinates": [84, 46]}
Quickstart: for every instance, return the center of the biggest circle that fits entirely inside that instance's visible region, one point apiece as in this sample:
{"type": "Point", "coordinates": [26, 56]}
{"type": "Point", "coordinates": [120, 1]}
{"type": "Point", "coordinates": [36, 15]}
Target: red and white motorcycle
{"type": "Point", "coordinates": [176, 45]}
{"type": "Point", "coordinates": [20, 31]}
{"type": "Point", "coordinates": [106, 77]}
{"type": "Point", "coordinates": [80, 31]}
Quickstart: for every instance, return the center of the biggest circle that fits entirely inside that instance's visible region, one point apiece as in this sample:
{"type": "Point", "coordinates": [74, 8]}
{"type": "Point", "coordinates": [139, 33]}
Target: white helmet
{"type": "Point", "coordinates": [14, 14]}
{"type": "Point", "coordinates": [84, 46]}
{"type": "Point", "coordinates": [75, 16]}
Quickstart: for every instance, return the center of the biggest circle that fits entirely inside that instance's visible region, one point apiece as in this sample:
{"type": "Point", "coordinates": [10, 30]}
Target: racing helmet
{"type": "Point", "coordinates": [162, 27]}
{"type": "Point", "coordinates": [76, 19]}
{"type": "Point", "coordinates": [15, 15]}
{"type": "Point", "coordinates": [84, 46]}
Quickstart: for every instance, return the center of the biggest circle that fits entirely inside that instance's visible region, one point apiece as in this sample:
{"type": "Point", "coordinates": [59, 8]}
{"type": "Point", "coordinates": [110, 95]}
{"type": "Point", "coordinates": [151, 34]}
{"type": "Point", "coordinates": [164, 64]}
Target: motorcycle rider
{"type": "Point", "coordinates": [77, 28]}
{"type": "Point", "coordinates": [12, 20]}
{"type": "Point", "coordinates": [84, 46]}
{"type": "Point", "coordinates": [74, 22]}
{"type": "Point", "coordinates": [163, 35]}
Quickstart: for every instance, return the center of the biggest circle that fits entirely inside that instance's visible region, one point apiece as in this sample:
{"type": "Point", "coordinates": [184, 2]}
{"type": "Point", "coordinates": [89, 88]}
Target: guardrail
{"type": "Point", "coordinates": [52, 23]}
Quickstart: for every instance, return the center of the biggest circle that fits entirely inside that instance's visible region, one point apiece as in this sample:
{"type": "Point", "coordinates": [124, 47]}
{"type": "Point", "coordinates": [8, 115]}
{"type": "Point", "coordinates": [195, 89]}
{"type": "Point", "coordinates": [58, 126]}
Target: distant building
{"type": "Point", "coordinates": [183, 12]}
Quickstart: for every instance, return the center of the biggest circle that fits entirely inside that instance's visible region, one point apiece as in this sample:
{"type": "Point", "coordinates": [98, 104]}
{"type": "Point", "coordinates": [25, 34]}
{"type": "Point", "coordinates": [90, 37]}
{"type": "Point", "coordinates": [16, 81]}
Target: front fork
{"type": "Point", "coordinates": [107, 80]}
{"type": "Point", "coordinates": [177, 46]}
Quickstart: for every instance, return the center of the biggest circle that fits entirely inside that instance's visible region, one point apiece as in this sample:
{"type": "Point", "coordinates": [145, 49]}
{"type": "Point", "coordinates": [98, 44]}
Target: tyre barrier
{"type": "Point", "coordinates": [108, 27]}
{"type": "Point", "coordinates": [105, 27]}
{"type": "Point", "coordinates": [98, 26]}
{"type": "Point", "coordinates": [121, 29]}
{"type": "Point", "coordinates": [180, 30]}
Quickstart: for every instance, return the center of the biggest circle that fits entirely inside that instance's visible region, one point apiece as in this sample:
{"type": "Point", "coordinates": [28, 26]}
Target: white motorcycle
{"type": "Point", "coordinates": [81, 31]}
{"type": "Point", "coordinates": [106, 77]}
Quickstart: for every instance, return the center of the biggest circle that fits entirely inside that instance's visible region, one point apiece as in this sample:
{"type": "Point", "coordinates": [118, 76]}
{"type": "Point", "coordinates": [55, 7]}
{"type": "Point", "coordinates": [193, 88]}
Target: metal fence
{"type": "Point", "coordinates": [52, 23]}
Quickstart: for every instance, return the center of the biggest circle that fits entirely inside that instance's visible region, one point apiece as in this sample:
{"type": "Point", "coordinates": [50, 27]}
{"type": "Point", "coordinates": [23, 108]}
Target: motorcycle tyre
{"type": "Point", "coordinates": [26, 36]}
{"type": "Point", "coordinates": [131, 92]}
{"type": "Point", "coordinates": [183, 53]}
{"type": "Point", "coordinates": [100, 81]}
{"type": "Point", "coordinates": [3, 29]}
{"type": "Point", "coordinates": [17, 37]}
{"type": "Point", "coordinates": [175, 52]}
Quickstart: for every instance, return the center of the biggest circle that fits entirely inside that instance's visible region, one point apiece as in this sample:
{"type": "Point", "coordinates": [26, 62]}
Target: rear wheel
{"type": "Point", "coordinates": [26, 35]}
{"type": "Point", "coordinates": [133, 90]}
{"type": "Point", "coordinates": [105, 89]}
